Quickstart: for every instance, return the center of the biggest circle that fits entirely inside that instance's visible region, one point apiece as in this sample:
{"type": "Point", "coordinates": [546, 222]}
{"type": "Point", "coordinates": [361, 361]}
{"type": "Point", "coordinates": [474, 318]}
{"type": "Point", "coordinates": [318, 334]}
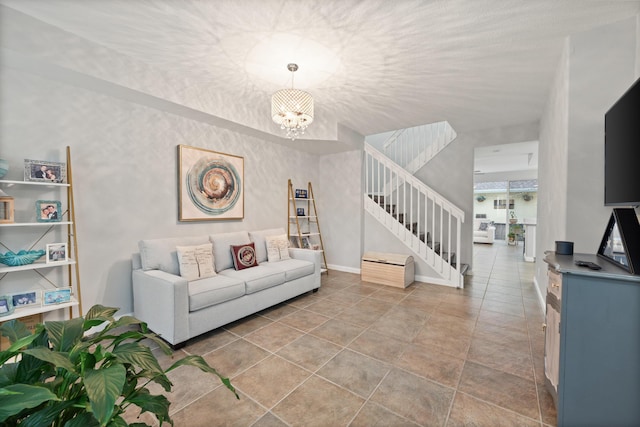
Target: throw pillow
{"type": "Point", "coordinates": [244, 256]}
{"type": "Point", "coordinates": [196, 262]}
{"type": "Point", "coordinates": [483, 226]}
{"type": "Point", "coordinates": [277, 248]}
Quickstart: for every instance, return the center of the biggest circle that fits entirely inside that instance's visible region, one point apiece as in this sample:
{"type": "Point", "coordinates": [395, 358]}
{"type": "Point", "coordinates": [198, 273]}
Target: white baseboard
{"type": "Point", "coordinates": [343, 268]}
{"type": "Point", "coordinates": [540, 297]}
{"type": "Point", "coordinates": [425, 279]}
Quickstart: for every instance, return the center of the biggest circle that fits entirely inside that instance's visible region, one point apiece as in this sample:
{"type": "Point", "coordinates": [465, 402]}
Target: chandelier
{"type": "Point", "coordinates": [292, 109]}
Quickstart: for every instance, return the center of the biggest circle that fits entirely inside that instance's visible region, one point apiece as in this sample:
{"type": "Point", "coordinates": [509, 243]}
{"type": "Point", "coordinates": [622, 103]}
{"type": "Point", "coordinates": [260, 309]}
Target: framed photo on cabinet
{"type": "Point", "coordinates": [210, 185]}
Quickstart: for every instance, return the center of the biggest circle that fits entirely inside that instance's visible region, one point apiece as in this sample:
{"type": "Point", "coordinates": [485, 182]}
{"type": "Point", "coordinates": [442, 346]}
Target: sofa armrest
{"type": "Point", "coordinates": [312, 256]}
{"type": "Point", "coordinates": [162, 301]}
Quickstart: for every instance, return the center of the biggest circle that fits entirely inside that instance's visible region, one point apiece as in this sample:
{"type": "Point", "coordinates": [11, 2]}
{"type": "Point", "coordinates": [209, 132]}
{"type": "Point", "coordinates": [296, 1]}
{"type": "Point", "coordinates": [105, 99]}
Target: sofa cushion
{"type": "Point", "coordinates": [257, 278]}
{"type": "Point", "coordinates": [160, 254]}
{"type": "Point", "coordinates": [293, 268]}
{"type": "Point", "coordinates": [258, 237]}
{"type": "Point", "coordinates": [244, 256]}
{"type": "Point", "coordinates": [483, 226]}
{"type": "Point", "coordinates": [222, 247]}
{"type": "Point", "coordinates": [277, 248]}
{"type": "Point", "coordinates": [196, 262]}
{"type": "Point", "coordinates": [213, 290]}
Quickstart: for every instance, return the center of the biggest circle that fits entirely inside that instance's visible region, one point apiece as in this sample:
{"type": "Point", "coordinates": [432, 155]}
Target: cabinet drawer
{"type": "Point", "coordinates": [555, 283]}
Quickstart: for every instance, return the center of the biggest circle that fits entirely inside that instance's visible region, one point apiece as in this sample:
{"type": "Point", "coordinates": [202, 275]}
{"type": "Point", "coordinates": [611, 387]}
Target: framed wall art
{"type": "Point", "coordinates": [210, 185]}
{"type": "Point", "coordinates": [48, 211]}
{"type": "Point", "coordinates": [44, 171]}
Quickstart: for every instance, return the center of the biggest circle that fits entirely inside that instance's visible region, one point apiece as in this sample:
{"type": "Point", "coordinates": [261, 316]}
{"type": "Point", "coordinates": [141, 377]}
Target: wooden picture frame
{"type": "Point", "coordinates": [210, 185]}
{"type": "Point", "coordinates": [57, 253]}
{"type": "Point", "coordinates": [45, 171]}
{"type": "Point", "coordinates": [48, 211]}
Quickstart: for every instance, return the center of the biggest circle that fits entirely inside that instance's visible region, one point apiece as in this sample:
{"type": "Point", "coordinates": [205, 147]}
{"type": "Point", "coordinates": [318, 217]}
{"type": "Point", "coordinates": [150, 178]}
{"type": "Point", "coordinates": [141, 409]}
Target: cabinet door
{"type": "Point", "coordinates": [552, 346]}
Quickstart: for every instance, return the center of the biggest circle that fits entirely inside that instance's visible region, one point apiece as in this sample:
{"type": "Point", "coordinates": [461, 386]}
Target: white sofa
{"type": "Point", "coordinates": [483, 231]}
{"type": "Point", "coordinates": [178, 309]}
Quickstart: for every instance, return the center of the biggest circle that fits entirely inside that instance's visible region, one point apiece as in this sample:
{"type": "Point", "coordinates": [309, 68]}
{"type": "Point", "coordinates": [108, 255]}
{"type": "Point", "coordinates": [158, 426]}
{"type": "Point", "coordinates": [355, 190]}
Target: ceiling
{"type": "Point", "coordinates": [371, 65]}
{"type": "Point", "coordinates": [520, 156]}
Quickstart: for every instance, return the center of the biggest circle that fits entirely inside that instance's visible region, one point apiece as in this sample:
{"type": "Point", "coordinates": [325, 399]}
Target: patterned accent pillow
{"type": "Point", "coordinates": [196, 262]}
{"type": "Point", "coordinates": [483, 226]}
{"type": "Point", "coordinates": [277, 248]}
{"type": "Point", "coordinates": [244, 256]}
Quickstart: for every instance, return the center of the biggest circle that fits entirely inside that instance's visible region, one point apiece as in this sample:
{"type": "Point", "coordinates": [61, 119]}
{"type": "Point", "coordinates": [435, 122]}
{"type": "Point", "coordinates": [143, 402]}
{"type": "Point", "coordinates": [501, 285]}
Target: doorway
{"type": "Point", "coordinates": [505, 193]}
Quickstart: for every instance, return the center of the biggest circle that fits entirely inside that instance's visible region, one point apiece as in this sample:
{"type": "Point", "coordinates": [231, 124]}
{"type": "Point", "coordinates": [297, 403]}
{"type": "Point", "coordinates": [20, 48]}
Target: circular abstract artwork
{"type": "Point", "coordinates": [213, 185]}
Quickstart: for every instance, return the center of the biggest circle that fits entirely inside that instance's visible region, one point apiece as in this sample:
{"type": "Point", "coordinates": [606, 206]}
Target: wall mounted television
{"type": "Point", "coordinates": [622, 150]}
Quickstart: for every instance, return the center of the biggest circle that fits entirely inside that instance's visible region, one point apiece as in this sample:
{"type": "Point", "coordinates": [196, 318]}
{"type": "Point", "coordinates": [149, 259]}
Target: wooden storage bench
{"type": "Point", "coordinates": [388, 269]}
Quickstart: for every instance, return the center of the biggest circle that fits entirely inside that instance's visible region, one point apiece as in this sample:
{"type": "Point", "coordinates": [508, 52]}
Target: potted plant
{"type": "Point", "coordinates": [57, 376]}
{"type": "Point", "coordinates": [481, 198]}
{"type": "Point", "coordinates": [512, 218]}
{"type": "Point", "coordinates": [512, 238]}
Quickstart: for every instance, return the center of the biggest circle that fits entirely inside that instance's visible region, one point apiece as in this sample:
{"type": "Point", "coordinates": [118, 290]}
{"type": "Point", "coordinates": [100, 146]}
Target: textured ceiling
{"type": "Point", "coordinates": [373, 65]}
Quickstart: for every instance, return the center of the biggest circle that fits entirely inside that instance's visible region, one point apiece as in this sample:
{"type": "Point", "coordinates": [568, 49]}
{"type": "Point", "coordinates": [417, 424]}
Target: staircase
{"type": "Point", "coordinates": [412, 148]}
{"type": "Point", "coordinates": [421, 218]}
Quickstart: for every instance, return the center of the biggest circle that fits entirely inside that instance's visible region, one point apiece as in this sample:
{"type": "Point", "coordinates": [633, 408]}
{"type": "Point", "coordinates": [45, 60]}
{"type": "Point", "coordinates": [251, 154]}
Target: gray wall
{"type": "Point", "coordinates": [596, 68]}
{"type": "Point", "coordinates": [123, 142]}
{"type": "Point", "coordinates": [341, 209]}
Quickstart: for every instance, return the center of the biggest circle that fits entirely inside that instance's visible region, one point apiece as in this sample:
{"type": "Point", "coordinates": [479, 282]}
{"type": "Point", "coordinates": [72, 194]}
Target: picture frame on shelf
{"type": "Point", "coordinates": [305, 243]}
{"type": "Point", "coordinates": [57, 253]}
{"type": "Point", "coordinates": [301, 193]}
{"type": "Point", "coordinates": [45, 171]}
{"type": "Point", "coordinates": [6, 305]}
{"type": "Point", "coordinates": [300, 211]}
{"type": "Point", "coordinates": [25, 299]}
{"type": "Point", "coordinates": [56, 296]}
{"type": "Point", "coordinates": [210, 185]}
{"type": "Point", "coordinates": [48, 211]}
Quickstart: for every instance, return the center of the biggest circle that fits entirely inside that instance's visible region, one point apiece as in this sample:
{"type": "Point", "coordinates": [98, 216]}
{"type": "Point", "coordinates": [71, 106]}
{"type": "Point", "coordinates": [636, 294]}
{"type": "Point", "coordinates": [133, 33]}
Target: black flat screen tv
{"type": "Point", "coordinates": [622, 150]}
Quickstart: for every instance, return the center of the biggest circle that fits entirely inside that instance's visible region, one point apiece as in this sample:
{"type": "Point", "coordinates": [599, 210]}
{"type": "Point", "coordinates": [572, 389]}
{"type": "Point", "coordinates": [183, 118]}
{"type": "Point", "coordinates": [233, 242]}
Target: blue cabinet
{"type": "Point", "coordinates": [596, 366]}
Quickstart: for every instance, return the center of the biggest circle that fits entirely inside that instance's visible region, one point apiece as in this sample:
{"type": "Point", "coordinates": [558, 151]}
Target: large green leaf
{"type": "Point", "coordinates": [60, 360]}
{"type": "Point", "coordinates": [47, 415]}
{"type": "Point", "coordinates": [100, 312]}
{"type": "Point", "coordinates": [84, 419]}
{"type": "Point", "coordinates": [200, 363]}
{"type": "Point", "coordinates": [26, 396]}
{"type": "Point", "coordinates": [103, 388]}
{"type": "Point", "coordinates": [14, 330]}
{"type": "Point", "coordinates": [117, 422]}
{"type": "Point", "coordinates": [138, 355]}
{"type": "Point", "coordinates": [65, 334]}
{"type": "Point", "coordinates": [8, 374]}
{"type": "Point", "coordinates": [156, 404]}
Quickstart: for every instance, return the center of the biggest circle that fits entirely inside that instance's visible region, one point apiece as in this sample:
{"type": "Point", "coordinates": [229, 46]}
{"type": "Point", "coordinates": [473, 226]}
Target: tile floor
{"type": "Point", "coordinates": [358, 354]}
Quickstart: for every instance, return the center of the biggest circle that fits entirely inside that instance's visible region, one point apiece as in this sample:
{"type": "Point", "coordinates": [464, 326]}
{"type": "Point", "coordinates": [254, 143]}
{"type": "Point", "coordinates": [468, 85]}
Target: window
{"type": "Point", "coordinates": [502, 204]}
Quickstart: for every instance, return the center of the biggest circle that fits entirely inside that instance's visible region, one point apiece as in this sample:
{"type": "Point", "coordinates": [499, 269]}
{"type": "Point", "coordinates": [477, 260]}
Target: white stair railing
{"type": "Point", "coordinates": [421, 218]}
{"type": "Point", "coordinates": [412, 148]}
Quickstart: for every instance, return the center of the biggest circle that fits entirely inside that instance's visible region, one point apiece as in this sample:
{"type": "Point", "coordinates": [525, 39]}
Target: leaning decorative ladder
{"type": "Point", "coordinates": [307, 226]}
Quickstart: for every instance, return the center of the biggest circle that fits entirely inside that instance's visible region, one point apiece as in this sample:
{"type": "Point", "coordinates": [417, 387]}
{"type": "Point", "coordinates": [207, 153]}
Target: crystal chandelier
{"type": "Point", "coordinates": [292, 109]}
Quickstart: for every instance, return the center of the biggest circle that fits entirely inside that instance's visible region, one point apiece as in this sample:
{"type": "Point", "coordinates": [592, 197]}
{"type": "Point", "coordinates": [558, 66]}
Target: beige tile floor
{"type": "Point", "coordinates": [359, 354]}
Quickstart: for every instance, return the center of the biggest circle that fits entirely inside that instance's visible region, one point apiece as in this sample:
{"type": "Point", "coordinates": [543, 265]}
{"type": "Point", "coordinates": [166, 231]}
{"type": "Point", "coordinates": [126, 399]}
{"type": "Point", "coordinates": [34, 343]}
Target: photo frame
{"type": "Point", "coordinates": [301, 194]}
{"type": "Point", "coordinates": [57, 253]}
{"type": "Point", "coordinates": [6, 305]}
{"type": "Point", "coordinates": [48, 211]}
{"type": "Point", "coordinates": [45, 171]}
{"type": "Point", "coordinates": [300, 211]}
{"type": "Point", "coordinates": [56, 296]}
{"type": "Point", "coordinates": [25, 299]}
{"type": "Point", "coordinates": [210, 185]}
